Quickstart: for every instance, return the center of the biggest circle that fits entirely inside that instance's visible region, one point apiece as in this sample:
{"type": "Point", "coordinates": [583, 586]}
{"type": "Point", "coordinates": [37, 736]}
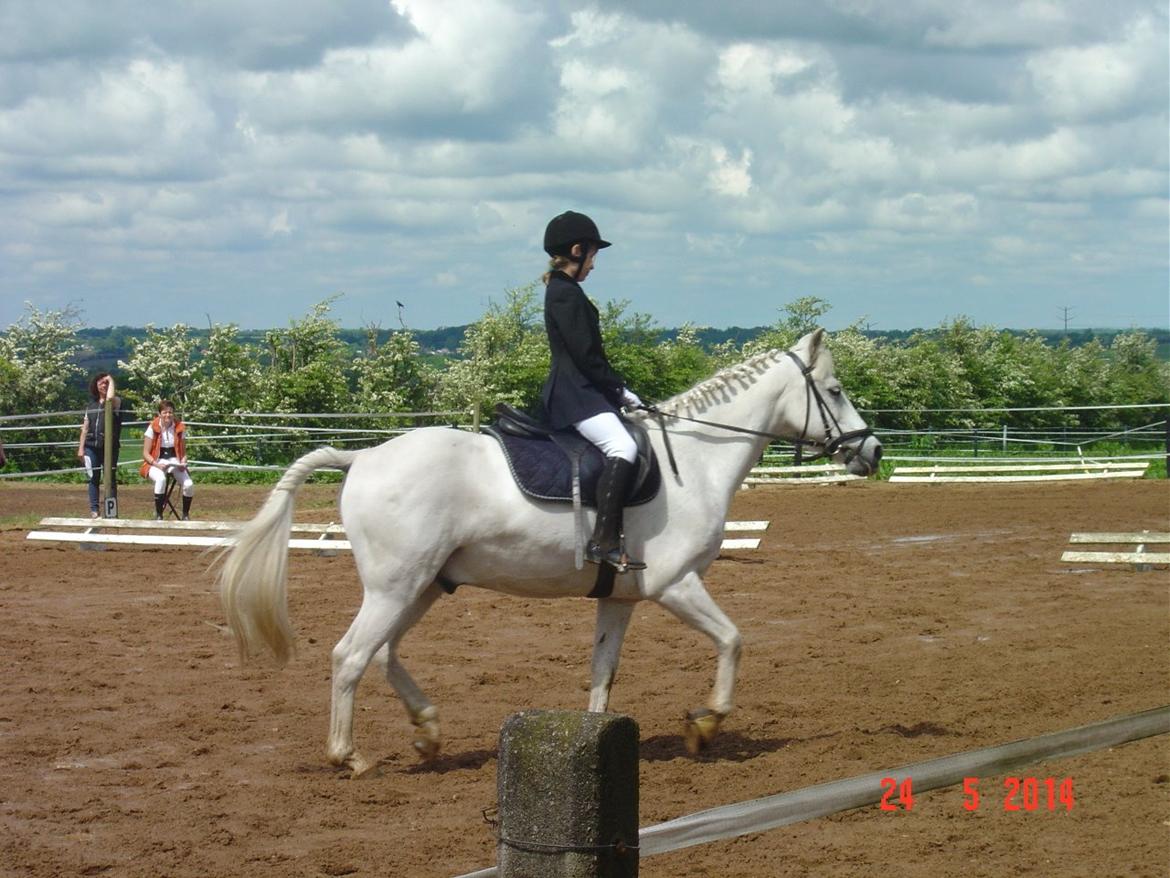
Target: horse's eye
{"type": "Point", "coordinates": [835, 390]}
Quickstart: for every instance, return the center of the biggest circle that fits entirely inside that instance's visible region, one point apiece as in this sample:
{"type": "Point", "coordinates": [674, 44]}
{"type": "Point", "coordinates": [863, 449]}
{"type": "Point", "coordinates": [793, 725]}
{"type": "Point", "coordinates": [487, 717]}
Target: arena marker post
{"type": "Point", "coordinates": [568, 795]}
{"type": "Point", "coordinates": [111, 492]}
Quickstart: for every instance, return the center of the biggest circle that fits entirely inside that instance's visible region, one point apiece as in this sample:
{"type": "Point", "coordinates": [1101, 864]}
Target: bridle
{"type": "Point", "coordinates": [830, 446]}
{"type": "Point", "coordinates": [833, 444]}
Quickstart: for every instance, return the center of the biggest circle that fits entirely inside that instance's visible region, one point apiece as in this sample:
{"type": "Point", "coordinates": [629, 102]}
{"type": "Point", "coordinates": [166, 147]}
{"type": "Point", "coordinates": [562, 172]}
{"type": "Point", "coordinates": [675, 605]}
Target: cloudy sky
{"type": "Point", "coordinates": [240, 160]}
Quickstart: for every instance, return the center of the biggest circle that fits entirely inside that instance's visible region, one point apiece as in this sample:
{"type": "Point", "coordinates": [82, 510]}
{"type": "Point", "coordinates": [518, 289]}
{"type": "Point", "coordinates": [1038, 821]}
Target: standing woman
{"type": "Point", "coordinates": [582, 390]}
{"type": "Point", "coordinates": [164, 449]}
{"type": "Point", "coordinates": [91, 445]}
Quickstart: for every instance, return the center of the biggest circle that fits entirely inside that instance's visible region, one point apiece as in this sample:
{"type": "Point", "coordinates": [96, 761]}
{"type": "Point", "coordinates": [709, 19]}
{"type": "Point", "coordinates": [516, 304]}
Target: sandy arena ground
{"type": "Point", "coordinates": [883, 624]}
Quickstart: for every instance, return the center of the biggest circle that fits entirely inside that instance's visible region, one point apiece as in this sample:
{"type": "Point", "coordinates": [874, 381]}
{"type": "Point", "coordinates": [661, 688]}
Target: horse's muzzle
{"type": "Point", "coordinates": [863, 458]}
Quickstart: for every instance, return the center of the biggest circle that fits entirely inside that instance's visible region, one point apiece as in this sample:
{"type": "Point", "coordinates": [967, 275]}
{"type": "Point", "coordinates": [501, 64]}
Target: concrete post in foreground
{"type": "Point", "coordinates": [568, 795]}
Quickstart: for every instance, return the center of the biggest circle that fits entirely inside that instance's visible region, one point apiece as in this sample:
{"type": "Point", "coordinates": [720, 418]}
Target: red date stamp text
{"type": "Point", "coordinates": [1018, 794]}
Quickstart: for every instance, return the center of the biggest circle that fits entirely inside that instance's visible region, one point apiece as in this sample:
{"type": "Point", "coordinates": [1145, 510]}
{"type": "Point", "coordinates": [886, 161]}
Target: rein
{"type": "Point", "coordinates": [828, 447]}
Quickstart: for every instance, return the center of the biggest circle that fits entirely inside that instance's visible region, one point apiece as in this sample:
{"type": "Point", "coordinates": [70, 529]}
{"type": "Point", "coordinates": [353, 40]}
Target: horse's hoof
{"type": "Point", "coordinates": [360, 767]}
{"type": "Point", "coordinates": [428, 739]}
{"type": "Point", "coordinates": [701, 728]}
{"type": "Point", "coordinates": [427, 750]}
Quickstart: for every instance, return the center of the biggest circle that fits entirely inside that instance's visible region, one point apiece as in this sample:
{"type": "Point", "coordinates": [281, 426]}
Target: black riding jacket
{"type": "Point", "coordinates": [581, 383]}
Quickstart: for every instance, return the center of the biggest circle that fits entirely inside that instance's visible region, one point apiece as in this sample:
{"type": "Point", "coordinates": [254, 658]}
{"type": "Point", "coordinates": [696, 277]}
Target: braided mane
{"type": "Point", "coordinates": [725, 381]}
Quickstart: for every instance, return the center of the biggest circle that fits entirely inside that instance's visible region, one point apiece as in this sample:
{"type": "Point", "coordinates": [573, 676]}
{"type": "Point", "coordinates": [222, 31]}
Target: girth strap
{"type": "Point", "coordinates": [603, 585]}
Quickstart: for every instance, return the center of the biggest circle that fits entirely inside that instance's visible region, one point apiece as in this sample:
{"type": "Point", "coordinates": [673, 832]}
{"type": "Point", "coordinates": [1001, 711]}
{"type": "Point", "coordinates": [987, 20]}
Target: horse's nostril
{"type": "Point", "coordinates": [877, 454]}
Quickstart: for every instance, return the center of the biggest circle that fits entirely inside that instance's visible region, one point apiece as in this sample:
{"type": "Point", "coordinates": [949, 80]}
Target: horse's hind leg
{"type": "Point", "coordinates": [689, 601]}
{"type": "Point", "coordinates": [383, 617]}
{"type": "Point", "coordinates": [423, 714]}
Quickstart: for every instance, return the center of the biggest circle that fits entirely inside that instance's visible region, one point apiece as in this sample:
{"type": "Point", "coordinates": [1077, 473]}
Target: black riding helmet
{"type": "Point", "coordinates": [568, 229]}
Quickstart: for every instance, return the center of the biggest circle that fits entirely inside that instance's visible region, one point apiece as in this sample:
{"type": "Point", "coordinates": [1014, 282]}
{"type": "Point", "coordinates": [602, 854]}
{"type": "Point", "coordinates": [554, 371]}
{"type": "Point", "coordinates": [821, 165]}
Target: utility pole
{"type": "Point", "coordinates": [1067, 313]}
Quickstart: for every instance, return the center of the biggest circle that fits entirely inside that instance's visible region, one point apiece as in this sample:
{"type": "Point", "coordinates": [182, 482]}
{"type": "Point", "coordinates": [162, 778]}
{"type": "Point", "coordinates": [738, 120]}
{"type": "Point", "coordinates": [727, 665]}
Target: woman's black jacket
{"type": "Point", "coordinates": [580, 382]}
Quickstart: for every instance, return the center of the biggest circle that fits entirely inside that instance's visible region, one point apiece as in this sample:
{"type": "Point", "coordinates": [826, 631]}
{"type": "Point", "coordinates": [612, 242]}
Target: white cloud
{"type": "Point", "coordinates": [450, 67]}
{"type": "Point", "coordinates": [600, 110]}
{"type": "Point", "coordinates": [1015, 23]}
{"type": "Point", "coordinates": [141, 118]}
{"type": "Point", "coordinates": [714, 245]}
{"type": "Point", "coordinates": [731, 177]}
{"type": "Point", "coordinates": [755, 68]}
{"type": "Point", "coordinates": [50, 266]}
{"type": "Point", "coordinates": [943, 214]}
{"type": "Point", "coordinates": [624, 86]}
{"type": "Point", "coordinates": [279, 224]}
{"type": "Point", "coordinates": [590, 29]}
{"type": "Point", "coordinates": [1104, 79]}
{"type": "Point", "coordinates": [304, 146]}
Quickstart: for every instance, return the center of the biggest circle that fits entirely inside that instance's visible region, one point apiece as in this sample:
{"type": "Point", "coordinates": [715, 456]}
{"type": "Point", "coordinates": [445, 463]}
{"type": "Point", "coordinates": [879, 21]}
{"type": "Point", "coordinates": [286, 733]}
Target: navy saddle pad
{"type": "Point", "coordinates": [541, 459]}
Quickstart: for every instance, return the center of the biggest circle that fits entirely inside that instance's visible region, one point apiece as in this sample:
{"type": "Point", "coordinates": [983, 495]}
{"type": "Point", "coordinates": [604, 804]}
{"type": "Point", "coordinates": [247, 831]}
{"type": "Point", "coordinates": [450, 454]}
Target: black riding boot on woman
{"type": "Point", "coordinates": [606, 546]}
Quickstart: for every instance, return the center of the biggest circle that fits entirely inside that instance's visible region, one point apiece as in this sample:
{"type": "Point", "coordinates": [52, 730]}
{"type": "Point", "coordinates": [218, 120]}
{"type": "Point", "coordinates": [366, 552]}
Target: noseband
{"type": "Point", "coordinates": [830, 446]}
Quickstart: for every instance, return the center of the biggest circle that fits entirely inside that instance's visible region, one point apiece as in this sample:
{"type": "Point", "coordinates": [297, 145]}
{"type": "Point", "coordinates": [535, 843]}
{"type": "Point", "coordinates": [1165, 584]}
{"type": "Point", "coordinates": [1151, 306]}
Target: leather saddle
{"type": "Point", "coordinates": [564, 466]}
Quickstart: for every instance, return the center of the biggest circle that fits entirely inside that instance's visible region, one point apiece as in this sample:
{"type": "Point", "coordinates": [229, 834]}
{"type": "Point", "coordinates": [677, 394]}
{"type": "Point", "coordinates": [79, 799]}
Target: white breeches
{"type": "Point", "coordinates": [607, 433]}
{"type": "Point", "coordinates": [159, 477]}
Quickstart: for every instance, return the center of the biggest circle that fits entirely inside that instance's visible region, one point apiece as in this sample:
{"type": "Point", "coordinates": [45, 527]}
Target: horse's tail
{"type": "Point", "coordinates": [252, 580]}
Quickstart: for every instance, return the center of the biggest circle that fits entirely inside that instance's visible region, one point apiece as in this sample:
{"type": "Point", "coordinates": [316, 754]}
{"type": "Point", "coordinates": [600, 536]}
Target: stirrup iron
{"type": "Point", "coordinates": [617, 557]}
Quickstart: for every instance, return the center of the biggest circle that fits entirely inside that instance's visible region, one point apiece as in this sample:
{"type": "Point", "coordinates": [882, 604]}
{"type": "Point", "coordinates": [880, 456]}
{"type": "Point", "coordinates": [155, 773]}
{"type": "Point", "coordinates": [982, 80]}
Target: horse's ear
{"type": "Point", "coordinates": [814, 340]}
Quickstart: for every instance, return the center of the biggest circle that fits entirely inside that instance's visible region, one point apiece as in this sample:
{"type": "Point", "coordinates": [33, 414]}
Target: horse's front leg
{"type": "Point", "coordinates": [689, 601]}
{"type": "Point", "coordinates": [613, 617]}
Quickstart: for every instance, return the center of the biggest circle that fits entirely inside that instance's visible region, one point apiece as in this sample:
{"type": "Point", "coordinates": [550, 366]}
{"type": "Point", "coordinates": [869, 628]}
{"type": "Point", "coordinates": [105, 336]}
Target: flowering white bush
{"type": "Point", "coordinates": [308, 366]}
{"type": "Point", "coordinates": [392, 376]}
{"type": "Point", "coordinates": [161, 366]}
{"type": "Point", "coordinates": [505, 356]}
{"type": "Point", "coordinates": [229, 375]}
{"type": "Point", "coordinates": [37, 372]}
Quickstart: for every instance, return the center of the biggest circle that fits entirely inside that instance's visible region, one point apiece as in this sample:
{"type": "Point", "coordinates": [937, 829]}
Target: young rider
{"type": "Point", "coordinates": [164, 447]}
{"type": "Point", "coordinates": [582, 390]}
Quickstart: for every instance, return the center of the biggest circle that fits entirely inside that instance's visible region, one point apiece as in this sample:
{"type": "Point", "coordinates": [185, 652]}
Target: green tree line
{"type": "Point", "coordinates": [311, 366]}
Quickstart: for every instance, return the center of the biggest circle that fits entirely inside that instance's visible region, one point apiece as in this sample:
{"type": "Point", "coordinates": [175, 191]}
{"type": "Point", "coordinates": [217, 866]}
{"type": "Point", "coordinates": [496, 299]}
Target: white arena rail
{"type": "Point", "coordinates": [87, 532]}
{"type": "Point", "coordinates": [742, 527]}
{"type": "Point", "coordinates": [1139, 557]}
{"type": "Point", "coordinates": [818, 474]}
{"type": "Point", "coordinates": [1002, 471]}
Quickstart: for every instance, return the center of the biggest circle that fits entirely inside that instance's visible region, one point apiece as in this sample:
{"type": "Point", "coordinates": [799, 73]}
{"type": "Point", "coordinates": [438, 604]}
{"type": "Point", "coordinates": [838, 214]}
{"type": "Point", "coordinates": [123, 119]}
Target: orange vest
{"type": "Point", "coordinates": [156, 444]}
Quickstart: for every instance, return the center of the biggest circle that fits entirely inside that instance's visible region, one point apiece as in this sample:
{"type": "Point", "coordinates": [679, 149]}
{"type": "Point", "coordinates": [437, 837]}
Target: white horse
{"type": "Point", "coordinates": [439, 505]}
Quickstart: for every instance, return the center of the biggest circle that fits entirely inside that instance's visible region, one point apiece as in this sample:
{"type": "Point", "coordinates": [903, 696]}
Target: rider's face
{"type": "Point", "coordinates": [583, 271]}
{"type": "Point", "coordinates": [166, 418]}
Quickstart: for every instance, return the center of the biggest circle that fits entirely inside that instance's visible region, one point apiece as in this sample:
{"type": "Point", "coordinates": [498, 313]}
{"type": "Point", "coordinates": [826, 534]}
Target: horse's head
{"type": "Point", "coordinates": [827, 419]}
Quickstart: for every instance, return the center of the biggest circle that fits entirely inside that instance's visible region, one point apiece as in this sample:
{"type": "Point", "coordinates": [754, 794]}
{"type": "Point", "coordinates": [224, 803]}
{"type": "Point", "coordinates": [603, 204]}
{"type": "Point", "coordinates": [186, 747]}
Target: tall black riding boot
{"type": "Point", "coordinates": [186, 508]}
{"type": "Point", "coordinates": [159, 501]}
{"type": "Point", "coordinates": [606, 545]}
